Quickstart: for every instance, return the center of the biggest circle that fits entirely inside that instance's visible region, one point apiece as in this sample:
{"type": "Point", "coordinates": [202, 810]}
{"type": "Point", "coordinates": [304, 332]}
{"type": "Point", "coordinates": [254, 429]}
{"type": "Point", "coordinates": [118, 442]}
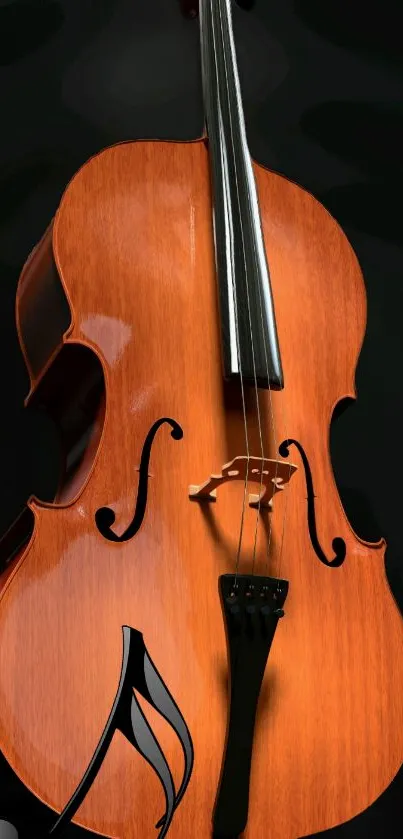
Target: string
{"type": "Point", "coordinates": [230, 246]}
{"type": "Point", "coordinates": [224, 32]}
{"type": "Point", "coordinates": [272, 419]}
{"type": "Point", "coordinates": [275, 440]}
{"type": "Point", "coordinates": [245, 490]}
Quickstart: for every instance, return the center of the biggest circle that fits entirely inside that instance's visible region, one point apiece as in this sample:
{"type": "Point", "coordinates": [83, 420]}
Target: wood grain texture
{"type": "Point", "coordinates": [134, 249]}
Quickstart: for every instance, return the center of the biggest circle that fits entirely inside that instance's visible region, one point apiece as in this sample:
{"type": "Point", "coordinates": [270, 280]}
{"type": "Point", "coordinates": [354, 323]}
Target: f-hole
{"type": "Point", "coordinates": [105, 517]}
{"type": "Point", "coordinates": [338, 544]}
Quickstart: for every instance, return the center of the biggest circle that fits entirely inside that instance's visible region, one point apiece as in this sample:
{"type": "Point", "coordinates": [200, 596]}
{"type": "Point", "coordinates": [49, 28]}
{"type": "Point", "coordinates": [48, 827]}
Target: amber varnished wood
{"type": "Point", "coordinates": [133, 246]}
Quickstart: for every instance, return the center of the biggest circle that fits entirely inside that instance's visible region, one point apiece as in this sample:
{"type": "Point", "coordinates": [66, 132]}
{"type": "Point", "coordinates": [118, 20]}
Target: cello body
{"type": "Point", "coordinates": [131, 250]}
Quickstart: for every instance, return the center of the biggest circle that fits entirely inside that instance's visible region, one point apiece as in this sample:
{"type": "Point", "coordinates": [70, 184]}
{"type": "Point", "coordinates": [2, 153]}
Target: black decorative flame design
{"type": "Point", "coordinates": [140, 674]}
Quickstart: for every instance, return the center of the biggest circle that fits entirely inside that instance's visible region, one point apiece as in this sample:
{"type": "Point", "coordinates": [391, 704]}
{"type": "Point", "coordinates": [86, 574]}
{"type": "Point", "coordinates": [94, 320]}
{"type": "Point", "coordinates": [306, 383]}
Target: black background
{"type": "Point", "coordinates": [322, 86]}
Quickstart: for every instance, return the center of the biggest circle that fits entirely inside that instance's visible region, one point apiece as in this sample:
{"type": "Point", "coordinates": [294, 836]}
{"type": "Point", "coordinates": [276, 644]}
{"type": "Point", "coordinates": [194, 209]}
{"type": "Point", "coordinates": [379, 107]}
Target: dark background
{"type": "Point", "coordinates": [322, 85]}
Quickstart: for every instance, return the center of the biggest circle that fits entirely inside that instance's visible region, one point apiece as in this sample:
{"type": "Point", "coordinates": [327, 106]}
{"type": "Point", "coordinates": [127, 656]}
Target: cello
{"type": "Point", "coordinates": [216, 312]}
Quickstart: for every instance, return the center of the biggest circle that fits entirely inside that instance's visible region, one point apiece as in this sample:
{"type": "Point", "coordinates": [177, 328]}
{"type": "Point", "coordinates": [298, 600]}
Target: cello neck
{"type": "Point", "coordinates": [249, 334]}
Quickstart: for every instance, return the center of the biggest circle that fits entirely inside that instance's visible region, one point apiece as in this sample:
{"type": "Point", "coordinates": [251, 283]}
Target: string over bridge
{"type": "Point", "coordinates": [273, 475]}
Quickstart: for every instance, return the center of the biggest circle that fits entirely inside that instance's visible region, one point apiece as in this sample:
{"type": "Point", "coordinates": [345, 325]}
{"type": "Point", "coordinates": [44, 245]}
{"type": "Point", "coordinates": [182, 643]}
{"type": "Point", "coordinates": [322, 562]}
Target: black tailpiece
{"type": "Point", "coordinates": [251, 606]}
